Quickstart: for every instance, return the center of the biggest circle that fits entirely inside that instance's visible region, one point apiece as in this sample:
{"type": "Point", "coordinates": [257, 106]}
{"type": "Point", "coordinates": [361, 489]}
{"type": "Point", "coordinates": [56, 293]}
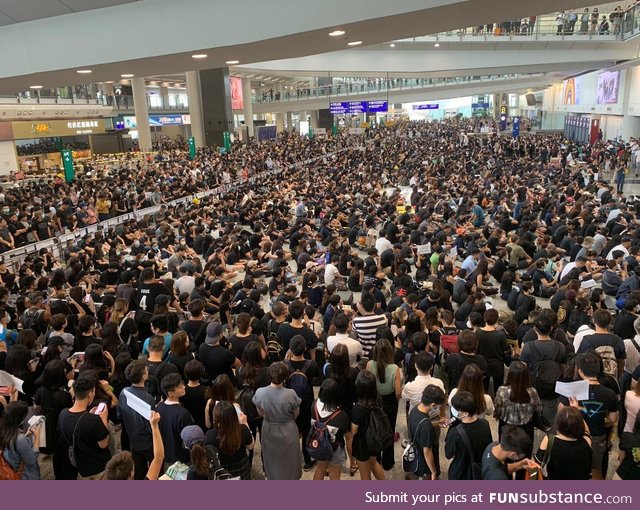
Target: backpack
{"type": "Point", "coordinates": [449, 343]}
{"type": "Point", "coordinates": [512, 299]}
{"type": "Point", "coordinates": [7, 472]}
{"type": "Point", "coordinates": [476, 467]}
{"type": "Point", "coordinates": [297, 380]}
{"type": "Point", "coordinates": [152, 384]}
{"type": "Point", "coordinates": [245, 399]}
{"type": "Point", "coordinates": [319, 445]}
{"type": "Point", "coordinates": [31, 320]}
{"type": "Point", "coordinates": [607, 355]}
{"type": "Point", "coordinates": [547, 373]}
{"type": "Point", "coordinates": [410, 454]}
{"type": "Point", "coordinates": [379, 434]}
{"type": "Point", "coordinates": [274, 347]}
{"type": "Point", "coordinates": [216, 471]}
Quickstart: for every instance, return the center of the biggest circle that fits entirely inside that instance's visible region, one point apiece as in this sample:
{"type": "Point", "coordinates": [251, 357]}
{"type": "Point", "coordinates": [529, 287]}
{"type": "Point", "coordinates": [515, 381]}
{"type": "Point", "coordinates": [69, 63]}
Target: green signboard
{"type": "Point", "coordinates": [67, 165]}
{"type": "Point", "coordinates": [226, 137]}
{"type": "Point", "coordinates": [192, 148]}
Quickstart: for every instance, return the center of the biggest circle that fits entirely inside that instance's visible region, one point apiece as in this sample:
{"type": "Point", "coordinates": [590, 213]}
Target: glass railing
{"type": "Point", "coordinates": [361, 86]}
{"type": "Point", "coordinates": [613, 25]}
{"type": "Point", "coordinates": [120, 102]}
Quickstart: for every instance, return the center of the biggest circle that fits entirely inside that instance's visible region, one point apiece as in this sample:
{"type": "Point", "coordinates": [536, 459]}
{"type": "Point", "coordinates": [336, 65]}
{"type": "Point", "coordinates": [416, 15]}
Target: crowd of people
{"type": "Point", "coordinates": [423, 270]}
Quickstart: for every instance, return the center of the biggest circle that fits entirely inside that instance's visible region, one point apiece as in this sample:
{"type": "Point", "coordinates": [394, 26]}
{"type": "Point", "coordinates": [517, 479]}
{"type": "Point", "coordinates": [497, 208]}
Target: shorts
{"type": "Point", "coordinates": [339, 456]}
{"type": "Point", "coordinates": [599, 450]}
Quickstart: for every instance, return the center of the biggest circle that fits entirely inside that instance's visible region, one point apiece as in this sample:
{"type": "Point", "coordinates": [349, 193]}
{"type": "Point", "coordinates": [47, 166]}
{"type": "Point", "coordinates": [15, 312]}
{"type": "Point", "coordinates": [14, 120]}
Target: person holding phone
{"type": "Point", "coordinates": [20, 449]}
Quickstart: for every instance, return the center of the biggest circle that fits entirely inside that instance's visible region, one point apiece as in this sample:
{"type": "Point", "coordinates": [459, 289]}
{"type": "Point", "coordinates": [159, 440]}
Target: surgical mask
{"type": "Point", "coordinates": [436, 408]}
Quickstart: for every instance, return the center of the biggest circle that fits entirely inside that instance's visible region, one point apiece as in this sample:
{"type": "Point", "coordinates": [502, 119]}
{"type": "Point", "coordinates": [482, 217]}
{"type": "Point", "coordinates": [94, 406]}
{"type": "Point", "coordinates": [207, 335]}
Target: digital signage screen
{"type": "Point", "coordinates": [608, 85]}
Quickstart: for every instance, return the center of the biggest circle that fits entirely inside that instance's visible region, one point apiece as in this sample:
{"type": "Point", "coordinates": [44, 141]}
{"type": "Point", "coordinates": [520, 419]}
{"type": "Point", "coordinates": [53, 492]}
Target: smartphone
{"type": "Point", "coordinates": [346, 308]}
{"type": "Point", "coordinates": [101, 407]}
{"type": "Point", "coordinates": [5, 390]}
{"type": "Point", "coordinates": [87, 298]}
{"type": "Point", "coordinates": [79, 356]}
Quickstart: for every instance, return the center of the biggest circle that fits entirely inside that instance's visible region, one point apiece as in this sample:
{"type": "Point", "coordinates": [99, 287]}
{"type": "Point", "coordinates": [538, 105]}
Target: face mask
{"type": "Point", "coordinates": [136, 244]}
{"type": "Point", "coordinates": [436, 408]}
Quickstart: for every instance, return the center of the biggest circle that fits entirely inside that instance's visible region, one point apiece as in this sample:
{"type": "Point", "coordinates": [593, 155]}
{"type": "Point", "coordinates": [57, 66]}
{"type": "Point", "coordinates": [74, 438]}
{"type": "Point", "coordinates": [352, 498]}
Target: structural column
{"type": "Point", "coordinates": [142, 113]}
{"type": "Point", "coordinates": [247, 105]}
{"type": "Point", "coordinates": [289, 121]}
{"type": "Point", "coordinates": [314, 119]}
{"type": "Point", "coordinates": [195, 107]}
{"type": "Point", "coordinates": [215, 94]}
{"type": "Point", "coordinates": [279, 122]}
{"type": "Point", "coordinates": [630, 124]}
{"type": "Point", "coordinates": [164, 95]}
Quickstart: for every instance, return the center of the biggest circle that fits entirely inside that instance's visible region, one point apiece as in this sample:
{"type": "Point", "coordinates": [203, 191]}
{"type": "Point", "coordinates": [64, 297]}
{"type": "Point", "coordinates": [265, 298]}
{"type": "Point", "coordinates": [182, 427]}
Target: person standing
{"type": "Point", "coordinates": [279, 407]}
{"type": "Point", "coordinates": [424, 434]}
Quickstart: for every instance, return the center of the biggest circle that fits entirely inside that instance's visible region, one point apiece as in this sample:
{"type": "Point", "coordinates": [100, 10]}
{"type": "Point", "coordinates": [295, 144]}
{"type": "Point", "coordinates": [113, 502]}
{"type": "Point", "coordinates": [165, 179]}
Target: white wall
{"type": "Point", "coordinates": [8, 158]}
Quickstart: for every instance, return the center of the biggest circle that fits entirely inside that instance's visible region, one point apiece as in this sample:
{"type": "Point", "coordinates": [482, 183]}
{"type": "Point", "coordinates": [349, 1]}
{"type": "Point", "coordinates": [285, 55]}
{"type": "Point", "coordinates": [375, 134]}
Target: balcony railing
{"type": "Point", "coordinates": [121, 102]}
{"type": "Point", "coordinates": [360, 86]}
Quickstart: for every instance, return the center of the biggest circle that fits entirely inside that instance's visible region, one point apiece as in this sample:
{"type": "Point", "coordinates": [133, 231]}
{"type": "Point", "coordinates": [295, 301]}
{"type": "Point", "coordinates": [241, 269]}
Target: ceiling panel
{"type": "Point", "coordinates": [28, 10]}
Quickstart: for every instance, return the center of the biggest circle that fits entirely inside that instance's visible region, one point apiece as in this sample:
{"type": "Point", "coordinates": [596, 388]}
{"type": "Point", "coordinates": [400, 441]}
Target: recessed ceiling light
{"type": "Point", "coordinates": [392, 45]}
{"type": "Point", "coordinates": [354, 43]}
{"type": "Point", "coordinates": [336, 33]}
{"type": "Point", "coordinates": [126, 75]}
{"type": "Point", "coordinates": [84, 71]}
{"type": "Point", "coordinates": [437, 45]}
{"type": "Point", "coordinates": [199, 55]}
{"type": "Point", "coordinates": [35, 87]}
{"type": "Point", "coordinates": [232, 62]}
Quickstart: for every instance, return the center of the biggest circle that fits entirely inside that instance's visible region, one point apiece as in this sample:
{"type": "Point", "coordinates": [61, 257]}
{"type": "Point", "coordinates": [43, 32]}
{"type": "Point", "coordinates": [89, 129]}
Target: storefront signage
{"type": "Point", "coordinates": [480, 105]}
{"type": "Point", "coordinates": [426, 106]}
{"type": "Point", "coordinates": [54, 128]}
{"type": "Point", "coordinates": [130, 121]}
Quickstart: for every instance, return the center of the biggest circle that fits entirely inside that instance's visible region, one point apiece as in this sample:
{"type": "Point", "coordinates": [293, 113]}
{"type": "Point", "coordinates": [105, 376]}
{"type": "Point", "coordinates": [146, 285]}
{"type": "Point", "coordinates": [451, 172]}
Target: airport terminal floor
{"type": "Point", "coordinates": [422, 300]}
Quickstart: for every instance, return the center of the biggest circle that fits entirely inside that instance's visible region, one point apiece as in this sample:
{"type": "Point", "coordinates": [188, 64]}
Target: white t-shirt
{"type": "Point", "coordinates": [488, 404]}
{"type": "Point", "coordinates": [330, 274]}
{"type": "Point", "coordinates": [633, 355]}
{"type": "Point", "coordinates": [383, 244]}
{"type": "Point", "coordinates": [412, 391]}
{"type": "Point", "coordinates": [353, 346]}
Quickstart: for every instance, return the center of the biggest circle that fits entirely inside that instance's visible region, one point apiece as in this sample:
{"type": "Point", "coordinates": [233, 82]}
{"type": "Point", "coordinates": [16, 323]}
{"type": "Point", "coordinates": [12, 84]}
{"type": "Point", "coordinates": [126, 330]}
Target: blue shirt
{"type": "Point", "coordinates": [167, 345]}
{"type": "Point", "coordinates": [479, 216]}
{"type": "Point", "coordinates": [469, 264]}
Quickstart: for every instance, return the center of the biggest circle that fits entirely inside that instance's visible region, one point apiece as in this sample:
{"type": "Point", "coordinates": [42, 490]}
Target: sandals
{"type": "Point", "coordinates": [353, 470]}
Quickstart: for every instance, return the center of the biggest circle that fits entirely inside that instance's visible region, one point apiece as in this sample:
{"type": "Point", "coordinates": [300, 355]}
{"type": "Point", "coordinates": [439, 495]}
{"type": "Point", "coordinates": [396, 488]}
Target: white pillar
{"type": "Point", "coordinates": [142, 113]}
{"type": "Point", "coordinates": [289, 121]}
{"type": "Point", "coordinates": [247, 105]}
{"type": "Point", "coordinates": [195, 107]}
{"type": "Point", "coordinates": [279, 122]}
{"type": "Point", "coordinates": [164, 95]}
{"type": "Point", "coordinates": [630, 124]}
{"type": "Point", "coordinates": [314, 119]}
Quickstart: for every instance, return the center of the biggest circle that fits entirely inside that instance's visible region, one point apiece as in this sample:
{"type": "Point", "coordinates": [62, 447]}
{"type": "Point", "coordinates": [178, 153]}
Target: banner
{"type": "Point", "coordinates": [237, 102]}
{"type": "Point", "coordinates": [51, 128]}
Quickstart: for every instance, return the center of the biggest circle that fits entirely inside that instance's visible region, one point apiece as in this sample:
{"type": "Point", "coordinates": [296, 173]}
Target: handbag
{"type": "Point", "coordinates": [72, 448]}
{"type": "Point", "coordinates": [547, 456]}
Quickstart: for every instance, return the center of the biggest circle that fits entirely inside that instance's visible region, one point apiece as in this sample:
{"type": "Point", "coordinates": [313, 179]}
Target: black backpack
{"type": "Point", "coordinates": [512, 299]}
{"type": "Point", "coordinates": [153, 383]}
{"type": "Point", "coordinates": [245, 399]}
{"type": "Point", "coordinates": [547, 372]}
{"type": "Point", "coordinates": [379, 434]}
{"type": "Point", "coordinates": [274, 346]}
{"type": "Point", "coordinates": [33, 320]}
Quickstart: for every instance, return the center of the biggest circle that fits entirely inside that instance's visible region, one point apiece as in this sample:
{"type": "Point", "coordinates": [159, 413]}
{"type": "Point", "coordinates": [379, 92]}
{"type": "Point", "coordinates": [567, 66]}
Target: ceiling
{"type": "Point", "coordinates": [158, 37]}
{"type": "Point", "coordinates": [19, 11]}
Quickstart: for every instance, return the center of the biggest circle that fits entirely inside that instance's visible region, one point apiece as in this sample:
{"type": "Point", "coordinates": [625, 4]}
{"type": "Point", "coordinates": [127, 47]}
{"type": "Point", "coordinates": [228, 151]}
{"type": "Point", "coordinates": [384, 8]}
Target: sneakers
{"type": "Point", "coordinates": [308, 466]}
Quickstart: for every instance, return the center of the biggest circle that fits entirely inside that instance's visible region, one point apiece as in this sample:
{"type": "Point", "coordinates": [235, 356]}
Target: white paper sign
{"type": "Point", "coordinates": [138, 405]}
{"type": "Point", "coordinates": [424, 249]}
{"type": "Point", "coordinates": [6, 379]}
{"type": "Point", "coordinates": [578, 389]}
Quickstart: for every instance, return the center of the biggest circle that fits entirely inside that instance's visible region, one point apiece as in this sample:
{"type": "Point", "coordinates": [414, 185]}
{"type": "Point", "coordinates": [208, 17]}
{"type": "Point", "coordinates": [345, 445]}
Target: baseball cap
{"type": "Point", "coordinates": [191, 435]}
{"type": "Point", "coordinates": [214, 331]}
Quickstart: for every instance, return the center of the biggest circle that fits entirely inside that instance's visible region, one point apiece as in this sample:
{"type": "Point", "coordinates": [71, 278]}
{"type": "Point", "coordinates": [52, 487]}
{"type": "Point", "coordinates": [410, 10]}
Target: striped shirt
{"type": "Point", "coordinates": [365, 327]}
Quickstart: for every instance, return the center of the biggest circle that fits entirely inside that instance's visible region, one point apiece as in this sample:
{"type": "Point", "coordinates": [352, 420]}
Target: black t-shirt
{"type": "Point", "coordinates": [238, 344]}
{"type": "Point", "coordinates": [196, 330]}
{"type": "Point", "coordinates": [455, 363]}
{"type": "Point", "coordinates": [602, 401]}
{"type": "Point", "coordinates": [211, 438]}
{"type": "Point", "coordinates": [629, 469]}
{"type": "Point", "coordinates": [148, 293]}
{"type": "Point", "coordinates": [195, 401]}
{"type": "Point", "coordinates": [424, 436]}
{"type": "Point", "coordinates": [173, 418]}
{"type": "Point", "coordinates": [569, 460]}
{"type": "Point", "coordinates": [493, 345]}
{"type": "Point", "coordinates": [387, 257]}
{"type": "Point", "coordinates": [286, 332]}
{"type": "Point", "coordinates": [591, 342]}
{"type": "Point", "coordinates": [479, 434]}
{"type": "Point", "coordinates": [89, 431]}
{"type": "Point", "coordinates": [217, 360]}
{"type": "Point", "coordinates": [180, 361]}
{"type": "Point", "coordinates": [493, 468]}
